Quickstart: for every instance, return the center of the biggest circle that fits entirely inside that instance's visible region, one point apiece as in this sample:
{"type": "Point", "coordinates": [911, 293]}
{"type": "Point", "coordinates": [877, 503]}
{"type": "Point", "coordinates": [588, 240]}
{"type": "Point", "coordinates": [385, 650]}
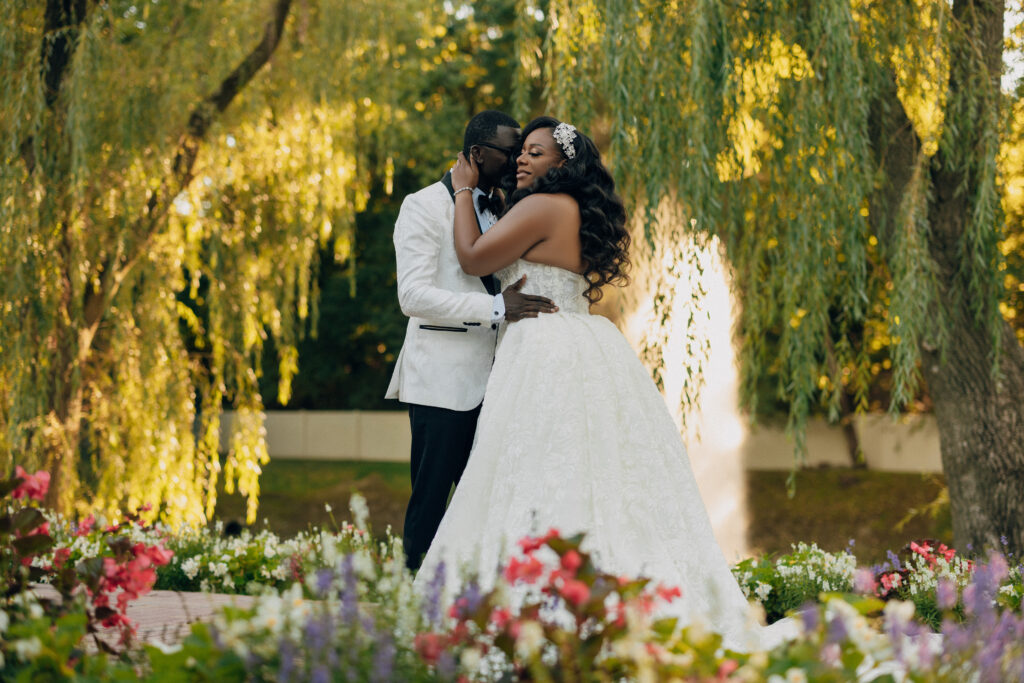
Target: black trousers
{"type": "Point", "coordinates": [441, 441]}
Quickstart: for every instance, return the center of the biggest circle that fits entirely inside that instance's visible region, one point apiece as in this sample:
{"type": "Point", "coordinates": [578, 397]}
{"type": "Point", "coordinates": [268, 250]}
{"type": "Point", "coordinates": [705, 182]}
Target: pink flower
{"type": "Point", "coordinates": [429, 646]}
{"type": "Point", "coordinates": [891, 581]}
{"type": "Point", "coordinates": [571, 561]}
{"type": "Point", "coordinates": [60, 556]}
{"type": "Point", "coordinates": [501, 616]}
{"type": "Point", "coordinates": [726, 668]}
{"type": "Point", "coordinates": [668, 593]}
{"type": "Point", "coordinates": [85, 526]}
{"type": "Point", "coordinates": [529, 570]}
{"type": "Point", "coordinates": [159, 555]}
{"type": "Point", "coordinates": [33, 486]}
{"type": "Point", "coordinates": [529, 543]}
{"type": "Point", "coordinates": [575, 592]}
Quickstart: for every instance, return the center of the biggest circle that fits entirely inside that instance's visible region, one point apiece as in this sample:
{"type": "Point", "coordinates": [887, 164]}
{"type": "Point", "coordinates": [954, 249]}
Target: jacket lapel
{"type": "Point", "coordinates": [490, 282]}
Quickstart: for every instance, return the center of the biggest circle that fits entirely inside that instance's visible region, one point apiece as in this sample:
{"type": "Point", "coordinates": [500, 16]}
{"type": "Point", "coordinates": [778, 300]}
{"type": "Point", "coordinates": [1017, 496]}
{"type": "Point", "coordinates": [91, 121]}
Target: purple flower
{"type": "Point", "coordinates": [470, 598]}
{"type": "Point", "coordinates": [324, 578]}
{"type": "Point", "coordinates": [894, 560]}
{"type": "Point", "coordinates": [946, 594]}
{"type": "Point", "coordinates": [318, 633]}
{"type": "Point", "coordinates": [432, 600]}
{"type": "Point", "coordinates": [320, 674]}
{"type": "Point", "coordinates": [350, 592]}
{"type": "Point", "coordinates": [837, 632]}
{"type": "Point", "coordinates": [809, 616]}
{"type": "Point", "coordinates": [955, 637]}
{"type": "Point", "coordinates": [383, 658]}
{"type": "Point", "coordinates": [286, 655]}
{"type": "Point", "coordinates": [446, 665]}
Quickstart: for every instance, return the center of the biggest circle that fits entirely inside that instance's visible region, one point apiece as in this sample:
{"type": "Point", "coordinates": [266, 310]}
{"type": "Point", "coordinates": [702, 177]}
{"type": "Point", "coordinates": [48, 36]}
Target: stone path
{"type": "Point", "coordinates": [167, 616]}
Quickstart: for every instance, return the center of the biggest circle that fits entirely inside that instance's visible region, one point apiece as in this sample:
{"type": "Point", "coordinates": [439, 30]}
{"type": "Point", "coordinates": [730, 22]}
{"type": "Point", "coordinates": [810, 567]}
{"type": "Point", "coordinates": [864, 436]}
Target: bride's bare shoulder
{"type": "Point", "coordinates": [548, 204]}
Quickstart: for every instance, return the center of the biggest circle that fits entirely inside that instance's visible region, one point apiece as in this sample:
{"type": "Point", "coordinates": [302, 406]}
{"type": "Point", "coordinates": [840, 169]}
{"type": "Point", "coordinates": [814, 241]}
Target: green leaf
{"type": "Point", "coordinates": [27, 519]}
{"type": "Point", "coordinates": [27, 546]}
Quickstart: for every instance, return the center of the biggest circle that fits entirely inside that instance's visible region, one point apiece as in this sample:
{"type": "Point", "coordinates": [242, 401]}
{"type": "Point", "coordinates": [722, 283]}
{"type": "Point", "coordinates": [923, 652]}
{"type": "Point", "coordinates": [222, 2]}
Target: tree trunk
{"type": "Point", "coordinates": [981, 432]}
{"type": "Point", "coordinates": [980, 413]}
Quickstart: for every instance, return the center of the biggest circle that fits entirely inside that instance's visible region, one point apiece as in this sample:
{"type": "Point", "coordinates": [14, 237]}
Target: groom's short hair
{"type": "Point", "coordinates": [484, 126]}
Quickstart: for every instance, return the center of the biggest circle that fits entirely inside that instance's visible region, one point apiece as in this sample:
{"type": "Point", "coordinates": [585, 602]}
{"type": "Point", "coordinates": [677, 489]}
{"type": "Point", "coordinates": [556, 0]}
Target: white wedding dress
{"type": "Point", "coordinates": [573, 434]}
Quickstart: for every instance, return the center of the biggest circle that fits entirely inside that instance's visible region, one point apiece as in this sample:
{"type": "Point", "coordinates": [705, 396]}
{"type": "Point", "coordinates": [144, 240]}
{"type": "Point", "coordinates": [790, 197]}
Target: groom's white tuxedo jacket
{"type": "Point", "coordinates": [449, 342]}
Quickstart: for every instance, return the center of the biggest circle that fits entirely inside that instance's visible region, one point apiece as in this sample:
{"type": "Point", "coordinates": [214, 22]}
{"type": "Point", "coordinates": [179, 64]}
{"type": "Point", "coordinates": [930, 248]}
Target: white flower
{"type": "Point", "coordinates": [470, 659]}
{"type": "Point", "coordinates": [531, 637]}
{"type": "Point", "coordinates": [166, 649]}
{"type": "Point", "coordinates": [29, 648]}
{"type": "Point", "coordinates": [360, 512]}
{"type": "Point", "coordinates": [5, 621]}
{"type": "Point", "coordinates": [190, 567]}
{"type": "Point", "coordinates": [795, 675]}
{"type": "Point", "coordinates": [899, 611]}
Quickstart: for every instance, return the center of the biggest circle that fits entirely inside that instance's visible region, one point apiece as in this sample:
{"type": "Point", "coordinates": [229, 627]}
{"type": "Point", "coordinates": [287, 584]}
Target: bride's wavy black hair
{"type": "Point", "coordinates": [603, 238]}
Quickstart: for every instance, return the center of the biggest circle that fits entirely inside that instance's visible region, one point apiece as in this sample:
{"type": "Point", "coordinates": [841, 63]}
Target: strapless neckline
{"type": "Point", "coordinates": [562, 286]}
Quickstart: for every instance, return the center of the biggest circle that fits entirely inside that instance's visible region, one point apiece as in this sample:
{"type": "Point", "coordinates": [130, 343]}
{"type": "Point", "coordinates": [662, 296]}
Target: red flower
{"type": "Point", "coordinates": [85, 526]}
{"type": "Point", "coordinates": [529, 570]}
{"type": "Point", "coordinates": [668, 594]}
{"type": "Point", "coordinates": [159, 555]}
{"type": "Point", "coordinates": [921, 548]}
{"type": "Point", "coordinates": [531, 543]}
{"type": "Point", "coordinates": [501, 616]}
{"type": "Point", "coordinates": [60, 556]}
{"type": "Point", "coordinates": [727, 667]}
{"type": "Point", "coordinates": [890, 581]}
{"type": "Point", "coordinates": [429, 646]}
{"type": "Point", "coordinates": [575, 592]}
{"type": "Point", "coordinates": [33, 486]}
{"type": "Point", "coordinates": [571, 561]}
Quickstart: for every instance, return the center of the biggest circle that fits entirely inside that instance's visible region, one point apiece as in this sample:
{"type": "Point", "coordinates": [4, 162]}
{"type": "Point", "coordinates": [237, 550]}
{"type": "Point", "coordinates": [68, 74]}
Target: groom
{"type": "Point", "coordinates": [449, 343]}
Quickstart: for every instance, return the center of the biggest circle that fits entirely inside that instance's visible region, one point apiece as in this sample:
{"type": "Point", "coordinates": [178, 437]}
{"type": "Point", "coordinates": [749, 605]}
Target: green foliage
{"type": "Point", "coordinates": [152, 258]}
{"type": "Point", "coordinates": [788, 582]}
{"type": "Point", "coordinates": [762, 125]}
{"type": "Point", "coordinates": [467, 65]}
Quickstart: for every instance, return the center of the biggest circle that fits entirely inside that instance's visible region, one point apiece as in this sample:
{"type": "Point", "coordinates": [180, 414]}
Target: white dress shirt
{"type": "Point", "coordinates": [487, 219]}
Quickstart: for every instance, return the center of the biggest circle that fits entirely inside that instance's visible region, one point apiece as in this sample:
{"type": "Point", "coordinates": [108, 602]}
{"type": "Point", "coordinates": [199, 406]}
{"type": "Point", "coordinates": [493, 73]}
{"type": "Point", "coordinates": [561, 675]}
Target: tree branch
{"type": "Point", "coordinates": [897, 149]}
{"type": "Point", "coordinates": [60, 31]}
{"type": "Point", "coordinates": [182, 167]}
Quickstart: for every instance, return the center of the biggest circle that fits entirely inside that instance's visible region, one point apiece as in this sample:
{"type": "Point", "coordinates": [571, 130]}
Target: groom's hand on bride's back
{"type": "Point", "coordinates": [519, 305]}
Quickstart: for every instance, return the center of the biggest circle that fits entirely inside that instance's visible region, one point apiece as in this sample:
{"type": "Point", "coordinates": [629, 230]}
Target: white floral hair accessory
{"type": "Point", "coordinates": [564, 134]}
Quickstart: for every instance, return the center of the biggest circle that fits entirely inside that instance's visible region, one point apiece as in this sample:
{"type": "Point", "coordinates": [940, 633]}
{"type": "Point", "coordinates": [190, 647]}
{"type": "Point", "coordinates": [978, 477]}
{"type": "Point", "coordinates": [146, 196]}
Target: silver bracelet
{"type": "Point", "coordinates": [467, 188]}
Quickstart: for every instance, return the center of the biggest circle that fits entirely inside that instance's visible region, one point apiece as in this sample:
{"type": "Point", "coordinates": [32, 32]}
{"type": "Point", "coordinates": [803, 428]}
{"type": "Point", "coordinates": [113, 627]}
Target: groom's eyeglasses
{"type": "Point", "coordinates": [507, 151]}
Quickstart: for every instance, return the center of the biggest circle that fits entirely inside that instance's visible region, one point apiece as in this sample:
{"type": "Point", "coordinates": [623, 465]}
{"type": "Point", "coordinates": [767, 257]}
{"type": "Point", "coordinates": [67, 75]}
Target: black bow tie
{"type": "Point", "coordinates": [491, 202]}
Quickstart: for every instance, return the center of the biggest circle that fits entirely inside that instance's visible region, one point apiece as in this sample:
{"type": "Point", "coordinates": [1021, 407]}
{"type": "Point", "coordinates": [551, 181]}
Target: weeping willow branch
{"type": "Point", "coordinates": [185, 156]}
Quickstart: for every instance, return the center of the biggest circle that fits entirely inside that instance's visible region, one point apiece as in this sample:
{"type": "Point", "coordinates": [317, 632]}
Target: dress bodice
{"type": "Point", "coordinates": [562, 286]}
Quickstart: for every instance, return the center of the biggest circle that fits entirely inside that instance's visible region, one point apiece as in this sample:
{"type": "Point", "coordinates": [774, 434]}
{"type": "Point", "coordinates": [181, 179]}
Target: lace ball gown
{"type": "Point", "coordinates": [573, 434]}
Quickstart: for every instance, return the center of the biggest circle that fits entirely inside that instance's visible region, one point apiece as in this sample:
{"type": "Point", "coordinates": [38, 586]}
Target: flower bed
{"type": "Point", "coordinates": [341, 606]}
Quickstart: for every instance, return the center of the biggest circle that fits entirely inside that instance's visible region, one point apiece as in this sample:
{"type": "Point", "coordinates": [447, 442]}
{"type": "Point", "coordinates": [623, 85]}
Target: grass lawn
{"type": "Point", "coordinates": [831, 505]}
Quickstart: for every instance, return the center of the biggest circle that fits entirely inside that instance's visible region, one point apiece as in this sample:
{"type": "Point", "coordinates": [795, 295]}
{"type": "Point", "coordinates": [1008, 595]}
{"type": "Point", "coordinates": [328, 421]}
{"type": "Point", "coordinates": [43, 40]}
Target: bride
{"type": "Point", "coordinates": [573, 434]}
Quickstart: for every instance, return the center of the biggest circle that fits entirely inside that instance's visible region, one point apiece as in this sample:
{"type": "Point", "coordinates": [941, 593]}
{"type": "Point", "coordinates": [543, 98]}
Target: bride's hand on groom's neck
{"type": "Point", "coordinates": [465, 172]}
